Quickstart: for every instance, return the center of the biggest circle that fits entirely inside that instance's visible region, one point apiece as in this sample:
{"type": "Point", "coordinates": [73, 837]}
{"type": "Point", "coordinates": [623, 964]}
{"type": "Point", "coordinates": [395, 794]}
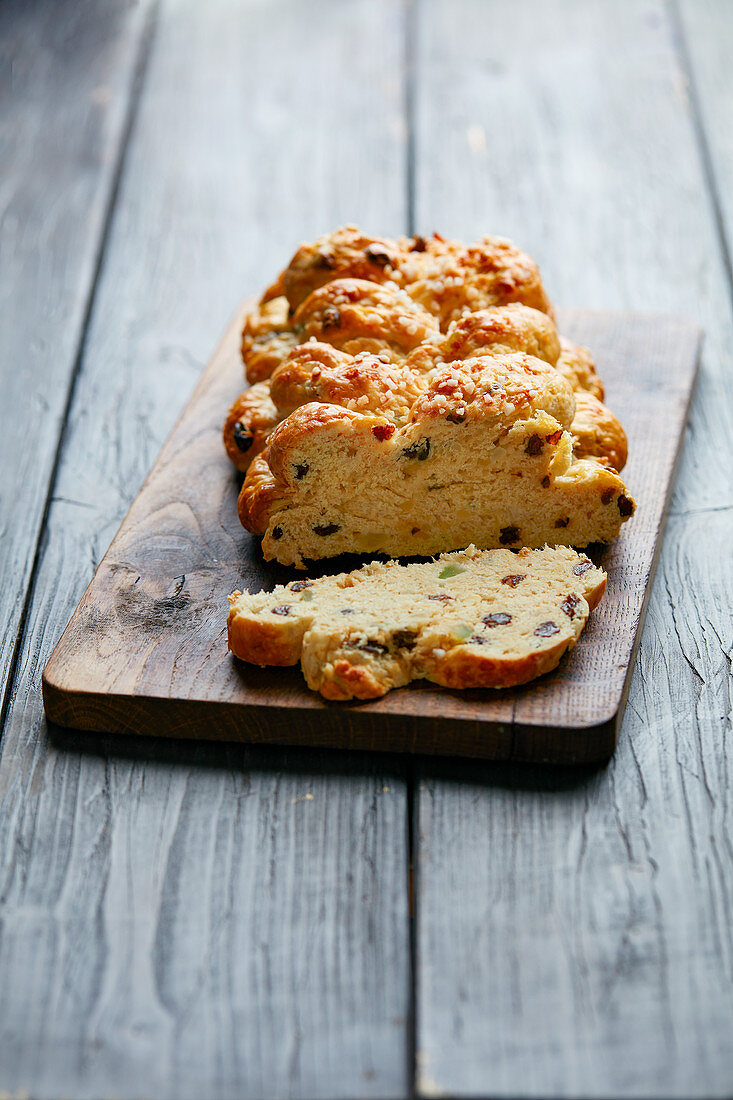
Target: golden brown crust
{"type": "Point", "coordinates": [463, 668]}
{"type": "Point", "coordinates": [290, 385]}
{"type": "Point", "coordinates": [348, 681]}
{"type": "Point", "coordinates": [267, 645]}
{"type": "Point", "coordinates": [267, 337]}
{"type": "Point", "coordinates": [356, 315]}
{"type": "Point", "coordinates": [257, 497]}
{"type": "Point", "coordinates": [503, 388]}
{"type": "Point", "coordinates": [251, 419]}
{"type": "Point", "coordinates": [508, 328]}
{"type": "Point", "coordinates": [598, 433]}
{"type": "Point", "coordinates": [317, 372]}
{"type": "Point", "coordinates": [446, 278]}
{"type": "Point", "coordinates": [490, 272]}
{"type": "Point", "coordinates": [344, 254]}
{"type": "Point", "coordinates": [576, 364]}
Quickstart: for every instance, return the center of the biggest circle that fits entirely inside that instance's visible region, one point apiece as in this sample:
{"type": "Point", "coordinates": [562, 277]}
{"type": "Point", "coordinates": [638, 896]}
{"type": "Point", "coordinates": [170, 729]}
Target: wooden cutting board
{"type": "Point", "coordinates": [145, 652]}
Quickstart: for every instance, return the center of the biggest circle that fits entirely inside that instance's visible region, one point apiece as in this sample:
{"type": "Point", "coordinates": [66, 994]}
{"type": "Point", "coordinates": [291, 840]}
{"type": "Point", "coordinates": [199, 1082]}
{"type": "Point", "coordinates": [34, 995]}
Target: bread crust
{"type": "Point", "coordinates": [507, 328]}
{"type": "Point", "coordinates": [258, 497]}
{"type": "Point", "coordinates": [344, 254]}
{"type": "Point", "coordinates": [269, 644]}
{"type": "Point", "coordinates": [267, 337]}
{"type": "Point", "coordinates": [365, 382]}
{"type": "Point", "coordinates": [347, 681]}
{"type": "Point", "coordinates": [454, 278]}
{"type": "Point", "coordinates": [576, 364]}
{"type": "Point", "coordinates": [462, 668]}
{"type": "Point", "coordinates": [598, 433]}
{"type": "Point", "coordinates": [250, 421]}
{"type": "Point", "coordinates": [356, 315]}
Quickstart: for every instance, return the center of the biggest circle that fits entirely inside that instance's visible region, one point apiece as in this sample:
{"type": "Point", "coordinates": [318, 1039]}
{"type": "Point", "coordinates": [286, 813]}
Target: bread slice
{"type": "Point", "coordinates": [470, 619]}
{"type": "Point", "coordinates": [486, 457]}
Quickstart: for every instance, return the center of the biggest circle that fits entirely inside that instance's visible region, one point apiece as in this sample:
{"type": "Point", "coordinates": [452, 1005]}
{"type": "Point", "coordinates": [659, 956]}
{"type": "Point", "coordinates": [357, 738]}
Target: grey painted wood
{"type": "Point", "coordinates": [573, 929]}
{"type": "Point", "coordinates": [706, 41]}
{"type": "Point", "coordinates": [175, 927]}
{"type": "Point", "coordinates": [67, 75]}
{"type": "Point", "coordinates": [207, 922]}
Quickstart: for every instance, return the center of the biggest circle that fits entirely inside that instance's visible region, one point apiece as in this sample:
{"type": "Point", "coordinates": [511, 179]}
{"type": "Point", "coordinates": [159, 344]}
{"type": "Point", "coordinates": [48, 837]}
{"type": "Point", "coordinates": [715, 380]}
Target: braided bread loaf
{"type": "Point", "coordinates": [367, 352]}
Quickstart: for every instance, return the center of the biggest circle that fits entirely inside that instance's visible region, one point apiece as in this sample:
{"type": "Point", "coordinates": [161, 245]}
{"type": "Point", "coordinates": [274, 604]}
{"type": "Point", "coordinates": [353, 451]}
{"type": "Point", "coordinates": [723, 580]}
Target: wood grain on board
{"type": "Point", "coordinates": [146, 650]}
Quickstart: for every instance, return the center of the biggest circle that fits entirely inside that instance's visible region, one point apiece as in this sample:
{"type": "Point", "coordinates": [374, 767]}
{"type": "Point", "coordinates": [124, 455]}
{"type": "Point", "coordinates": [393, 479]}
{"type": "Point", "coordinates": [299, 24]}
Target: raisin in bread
{"type": "Point", "coordinates": [486, 456]}
{"type": "Point", "coordinates": [469, 619]}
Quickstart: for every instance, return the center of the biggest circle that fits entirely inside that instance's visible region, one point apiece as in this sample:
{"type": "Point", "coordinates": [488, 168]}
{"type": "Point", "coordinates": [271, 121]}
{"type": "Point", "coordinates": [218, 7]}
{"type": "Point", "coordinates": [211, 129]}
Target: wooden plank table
{"type": "Point", "coordinates": [205, 920]}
